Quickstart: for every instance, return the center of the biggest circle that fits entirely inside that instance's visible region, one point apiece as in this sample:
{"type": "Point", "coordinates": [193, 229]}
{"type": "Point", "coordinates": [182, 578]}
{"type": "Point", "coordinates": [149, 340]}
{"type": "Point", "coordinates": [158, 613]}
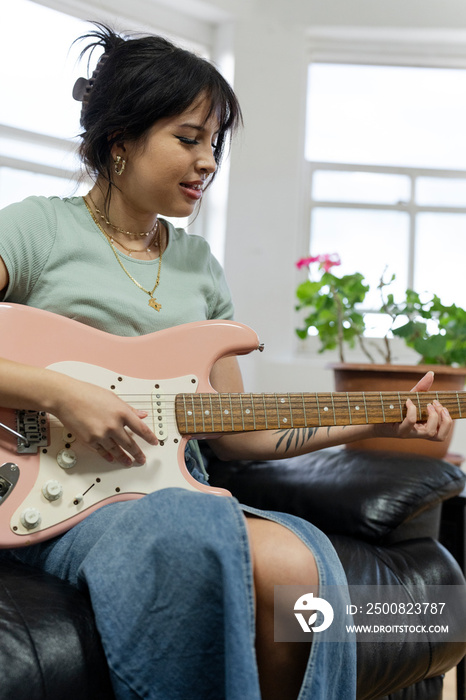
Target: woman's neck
{"type": "Point", "coordinates": [140, 237]}
{"type": "Point", "coordinates": [120, 214]}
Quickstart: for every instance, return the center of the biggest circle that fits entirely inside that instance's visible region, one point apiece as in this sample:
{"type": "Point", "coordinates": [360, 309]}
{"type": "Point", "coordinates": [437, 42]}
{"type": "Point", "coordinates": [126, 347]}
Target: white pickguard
{"type": "Point", "coordinates": [93, 479]}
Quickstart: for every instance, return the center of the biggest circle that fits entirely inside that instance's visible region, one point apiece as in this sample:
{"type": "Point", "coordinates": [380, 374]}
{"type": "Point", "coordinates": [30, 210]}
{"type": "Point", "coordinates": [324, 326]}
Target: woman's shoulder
{"type": "Point", "coordinates": [178, 233]}
{"type": "Point", "coordinates": [179, 240]}
{"type": "Point", "coordinates": [40, 206]}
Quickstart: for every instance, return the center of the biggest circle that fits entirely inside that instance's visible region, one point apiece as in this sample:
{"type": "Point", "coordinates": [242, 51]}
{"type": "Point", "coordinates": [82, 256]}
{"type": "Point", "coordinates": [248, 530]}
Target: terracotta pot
{"type": "Point", "coordinates": [368, 377]}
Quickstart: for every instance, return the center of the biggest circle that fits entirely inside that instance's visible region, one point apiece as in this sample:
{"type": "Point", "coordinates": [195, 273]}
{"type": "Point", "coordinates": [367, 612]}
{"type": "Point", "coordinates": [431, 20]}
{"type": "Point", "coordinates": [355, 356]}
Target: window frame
{"type": "Point", "coordinates": [194, 33]}
{"type": "Point", "coordinates": [381, 46]}
{"type": "Point", "coordinates": [409, 207]}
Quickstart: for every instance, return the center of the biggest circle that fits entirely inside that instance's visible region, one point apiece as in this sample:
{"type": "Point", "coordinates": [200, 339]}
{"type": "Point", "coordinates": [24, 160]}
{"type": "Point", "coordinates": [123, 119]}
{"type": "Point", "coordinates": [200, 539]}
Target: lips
{"type": "Point", "coordinates": [193, 190]}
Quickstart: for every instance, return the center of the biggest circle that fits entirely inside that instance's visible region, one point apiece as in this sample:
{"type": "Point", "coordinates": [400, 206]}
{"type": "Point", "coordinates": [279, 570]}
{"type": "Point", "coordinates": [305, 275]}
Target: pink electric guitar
{"type": "Point", "coordinates": [49, 481]}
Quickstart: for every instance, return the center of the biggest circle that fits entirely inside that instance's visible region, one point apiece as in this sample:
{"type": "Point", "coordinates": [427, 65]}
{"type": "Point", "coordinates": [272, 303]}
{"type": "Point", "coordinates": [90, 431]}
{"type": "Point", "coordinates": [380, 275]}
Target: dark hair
{"type": "Point", "coordinates": [139, 80]}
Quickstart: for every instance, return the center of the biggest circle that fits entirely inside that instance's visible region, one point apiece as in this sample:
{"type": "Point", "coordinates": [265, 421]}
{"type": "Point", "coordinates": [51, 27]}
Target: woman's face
{"type": "Point", "coordinates": [167, 170]}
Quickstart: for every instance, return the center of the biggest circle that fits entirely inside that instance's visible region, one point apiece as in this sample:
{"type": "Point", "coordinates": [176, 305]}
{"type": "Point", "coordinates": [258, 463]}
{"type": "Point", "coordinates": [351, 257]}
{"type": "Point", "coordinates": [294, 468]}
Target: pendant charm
{"type": "Point", "coordinates": [155, 304]}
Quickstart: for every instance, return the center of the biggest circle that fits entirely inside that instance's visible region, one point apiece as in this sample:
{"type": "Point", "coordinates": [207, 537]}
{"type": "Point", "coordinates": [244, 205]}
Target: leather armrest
{"type": "Point", "coordinates": [364, 494]}
{"type": "Point", "coordinates": [50, 646]}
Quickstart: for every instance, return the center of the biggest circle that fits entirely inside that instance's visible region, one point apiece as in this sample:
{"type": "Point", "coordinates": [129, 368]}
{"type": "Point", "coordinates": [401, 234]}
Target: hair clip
{"type": "Point", "coordinates": [79, 89]}
{"type": "Point", "coordinates": [83, 86]}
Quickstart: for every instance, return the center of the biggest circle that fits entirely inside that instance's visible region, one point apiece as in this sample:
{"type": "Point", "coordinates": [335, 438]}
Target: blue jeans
{"type": "Point", "coordinates": [171, 585]}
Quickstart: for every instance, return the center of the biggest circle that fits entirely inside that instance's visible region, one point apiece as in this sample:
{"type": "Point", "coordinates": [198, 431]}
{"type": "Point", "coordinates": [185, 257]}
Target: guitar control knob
{"type": "Point", "coordinates": [66, 459]}
{"type": "Point", "coordinates": [52, 490]}
{"type": "Point", "coordinates": [30, 518]}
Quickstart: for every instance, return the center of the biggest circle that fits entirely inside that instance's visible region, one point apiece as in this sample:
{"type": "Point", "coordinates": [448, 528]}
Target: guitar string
{"type": "Point", "coordinates": [166, 402]}
{"type": "Point", "coordinates": [285, 400]}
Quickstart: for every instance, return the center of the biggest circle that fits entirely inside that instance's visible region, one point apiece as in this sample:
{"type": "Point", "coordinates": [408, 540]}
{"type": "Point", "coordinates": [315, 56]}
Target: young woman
{"type": "Point", "coordinates": [182, 584]}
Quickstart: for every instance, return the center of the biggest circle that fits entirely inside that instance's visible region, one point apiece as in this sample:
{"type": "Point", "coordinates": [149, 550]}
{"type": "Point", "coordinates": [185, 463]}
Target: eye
{"type": "Point", "coordinates": [189, 142]}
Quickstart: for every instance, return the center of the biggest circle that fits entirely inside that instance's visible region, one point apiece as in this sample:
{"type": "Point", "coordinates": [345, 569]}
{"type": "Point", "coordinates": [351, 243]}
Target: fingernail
{"type": "Point", "coordinates": [446, 412]}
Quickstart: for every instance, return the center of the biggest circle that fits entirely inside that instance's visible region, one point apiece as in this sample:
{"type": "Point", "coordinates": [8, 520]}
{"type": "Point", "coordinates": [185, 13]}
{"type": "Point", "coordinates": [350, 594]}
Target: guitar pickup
{"type": "Point", "coordinates": [159, 411]}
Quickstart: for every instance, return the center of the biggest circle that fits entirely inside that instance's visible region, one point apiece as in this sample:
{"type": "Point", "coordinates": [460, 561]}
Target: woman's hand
{"type": "Point", "coordinates": [101, 420]}
{"type": "Point", "coordinates": [437, 427]}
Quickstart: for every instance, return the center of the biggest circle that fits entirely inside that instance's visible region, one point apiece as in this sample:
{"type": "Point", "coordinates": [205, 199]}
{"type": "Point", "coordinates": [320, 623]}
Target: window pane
{"type": "Point", "coordinates": [377, 188]}
{"type": "Point", "coordinates": [437, 191]}
{"type": "Point", "coordinates": [15, 185]}
{"type": "Point", "coordinates": [387, 115]}
{"type": "Point", "coordinates": [441, 252]}
{"type": "Point", "coordinates": [370, 242]}
{"type": "Point", "coordinates": [28, 150]}
{"type": "Point", "coordinates": [37, 82]}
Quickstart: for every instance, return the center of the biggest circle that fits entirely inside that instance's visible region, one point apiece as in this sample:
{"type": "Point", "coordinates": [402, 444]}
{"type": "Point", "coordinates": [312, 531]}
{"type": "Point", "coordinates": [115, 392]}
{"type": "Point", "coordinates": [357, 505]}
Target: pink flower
{"type": "Point", "coordinates": [306, 261]}
{"type": "Point", "coordinates": [326, 262]}
{"type": "Point", "coordinates": [329, 261]}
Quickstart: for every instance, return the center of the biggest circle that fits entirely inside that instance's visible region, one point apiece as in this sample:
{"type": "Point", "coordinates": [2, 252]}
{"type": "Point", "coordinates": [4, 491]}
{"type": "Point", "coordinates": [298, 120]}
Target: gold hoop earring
{"type": "Point", "coordinates": [119, 165]}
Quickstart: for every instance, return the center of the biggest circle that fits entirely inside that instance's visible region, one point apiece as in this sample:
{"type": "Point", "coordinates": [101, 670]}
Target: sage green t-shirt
{"type": "Point", "coordinates": [58, 260]}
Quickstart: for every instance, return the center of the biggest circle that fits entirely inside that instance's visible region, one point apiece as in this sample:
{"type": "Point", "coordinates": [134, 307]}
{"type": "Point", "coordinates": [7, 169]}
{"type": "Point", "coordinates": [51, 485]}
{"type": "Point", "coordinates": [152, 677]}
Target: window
{"type": "Point", "coordinates": [39, 119]}
{"type": "Point", "coordinates": [387, 173]}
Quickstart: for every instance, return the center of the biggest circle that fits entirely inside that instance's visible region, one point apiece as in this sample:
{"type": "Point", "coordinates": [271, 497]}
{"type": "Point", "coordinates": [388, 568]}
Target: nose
{"type": "Point", "coordinates": [207, 164]}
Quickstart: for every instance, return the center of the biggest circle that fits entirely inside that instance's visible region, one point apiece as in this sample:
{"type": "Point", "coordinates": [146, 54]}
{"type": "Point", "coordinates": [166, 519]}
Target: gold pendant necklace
{"type": "Point", "coordinates": [153, 303]}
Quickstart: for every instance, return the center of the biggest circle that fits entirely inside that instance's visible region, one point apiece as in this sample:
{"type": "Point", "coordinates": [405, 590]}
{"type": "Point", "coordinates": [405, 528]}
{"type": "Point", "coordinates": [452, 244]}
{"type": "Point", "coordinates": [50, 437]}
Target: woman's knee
{"type": "Point", "coordinates": [279, 556]}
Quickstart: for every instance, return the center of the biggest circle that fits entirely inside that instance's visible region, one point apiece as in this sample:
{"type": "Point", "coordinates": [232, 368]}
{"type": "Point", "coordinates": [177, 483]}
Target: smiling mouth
{"type": "Point", "coordinates": [192, 190]}
{"type": "Point", "coordinates": [189, 186]}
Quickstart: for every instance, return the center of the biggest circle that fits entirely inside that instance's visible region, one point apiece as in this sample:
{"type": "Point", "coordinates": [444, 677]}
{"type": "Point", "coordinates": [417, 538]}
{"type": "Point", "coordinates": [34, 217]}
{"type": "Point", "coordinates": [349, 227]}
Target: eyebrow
{"type": "Point", "coordinates": [196, 127]}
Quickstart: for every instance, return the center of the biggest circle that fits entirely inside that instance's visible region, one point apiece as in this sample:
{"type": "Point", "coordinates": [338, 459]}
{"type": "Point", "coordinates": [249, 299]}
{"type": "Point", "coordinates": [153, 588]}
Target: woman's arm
{"type": "Point", "coordinates": [277, 444]}
{"type": "Point", "coordinates": [96, 416]}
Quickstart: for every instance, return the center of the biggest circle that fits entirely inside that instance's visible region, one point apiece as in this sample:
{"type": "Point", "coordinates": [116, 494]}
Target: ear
{"type": "Point", "coordinates": [118, 149]}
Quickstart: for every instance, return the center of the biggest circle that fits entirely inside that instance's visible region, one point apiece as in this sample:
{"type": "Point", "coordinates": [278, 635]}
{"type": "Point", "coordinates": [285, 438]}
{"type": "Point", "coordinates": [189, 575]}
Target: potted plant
{"type": "Point", "coordinates": [437, 332]}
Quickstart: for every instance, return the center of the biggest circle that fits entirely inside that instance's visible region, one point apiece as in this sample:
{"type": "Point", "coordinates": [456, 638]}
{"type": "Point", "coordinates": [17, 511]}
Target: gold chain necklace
{"type": "Point", "coordinates": [122, 230]}
{"type": "Point", "coordinates": [130, 251]}
{"type": "Point", "coordinates": [152, 302]}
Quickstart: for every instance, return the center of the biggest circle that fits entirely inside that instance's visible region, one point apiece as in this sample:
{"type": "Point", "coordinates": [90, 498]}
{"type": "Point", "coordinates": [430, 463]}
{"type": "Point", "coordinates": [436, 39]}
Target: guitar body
{"type": "Point", "coordinates": [45, 492]}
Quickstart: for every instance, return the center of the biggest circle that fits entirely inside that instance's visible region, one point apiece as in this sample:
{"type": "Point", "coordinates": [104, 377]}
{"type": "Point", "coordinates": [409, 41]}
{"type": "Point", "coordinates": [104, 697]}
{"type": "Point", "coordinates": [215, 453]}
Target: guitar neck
{"type": "Point", "coordinates": [212, 413]}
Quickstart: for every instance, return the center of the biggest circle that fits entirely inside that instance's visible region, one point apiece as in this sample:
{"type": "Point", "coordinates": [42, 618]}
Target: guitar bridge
{"type": "Point", "coordinates": [32, 429]}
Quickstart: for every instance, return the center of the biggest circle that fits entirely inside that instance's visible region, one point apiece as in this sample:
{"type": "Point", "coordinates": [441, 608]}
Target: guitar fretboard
{"type": "Point", "coordinates": [226, 413]}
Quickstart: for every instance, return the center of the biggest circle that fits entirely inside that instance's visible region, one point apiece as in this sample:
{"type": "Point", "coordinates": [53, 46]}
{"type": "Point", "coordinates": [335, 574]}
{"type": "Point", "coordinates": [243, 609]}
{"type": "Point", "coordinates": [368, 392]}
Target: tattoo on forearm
{"type": "Point", "coordinates": [295, 437]}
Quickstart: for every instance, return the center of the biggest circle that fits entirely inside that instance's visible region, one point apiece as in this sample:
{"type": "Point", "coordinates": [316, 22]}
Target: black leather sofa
{"type": "Point", "coordinates": [382, 514]}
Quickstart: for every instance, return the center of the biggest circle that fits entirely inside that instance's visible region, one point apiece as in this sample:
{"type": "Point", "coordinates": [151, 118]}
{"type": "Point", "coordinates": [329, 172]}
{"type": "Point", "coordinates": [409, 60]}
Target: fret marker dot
{"type": "Point", "coordinates": [284, 420]}
{"type": "Point", "coordinates": [207, 413]}
{"type": "Point", "coordinates": [392, 406]}
{"type": "Point", "coordinates": [226, 411]}
{"type": "Point", "coordinates": [357, 408]}
{"type": "Point", "coordinates": [282, 400]}
{"type": "Point", "coordinates": [248, 410]}
{"type": "Point", "coordinates": [190, 413]}
{"type": "Point", "coordinates": [325, 408]}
